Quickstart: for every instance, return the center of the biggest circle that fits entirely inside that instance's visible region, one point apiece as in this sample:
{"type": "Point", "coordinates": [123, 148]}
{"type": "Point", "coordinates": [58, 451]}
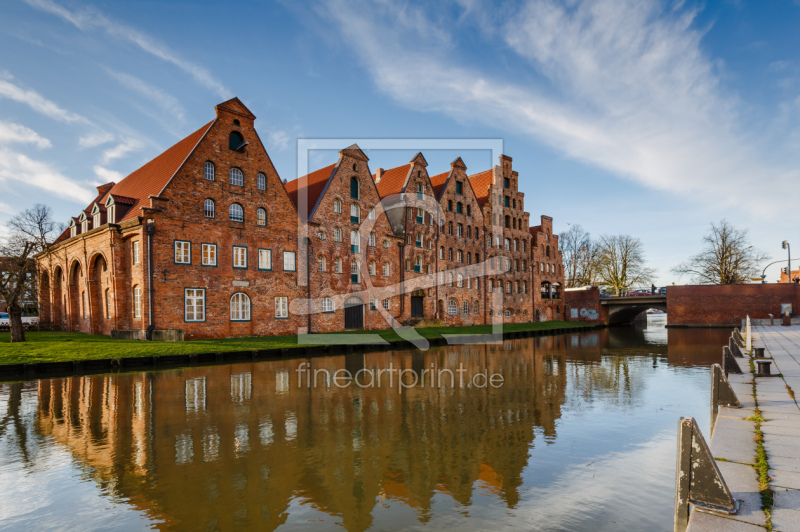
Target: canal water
{"type": "Point", "coordinates": [571, 432]}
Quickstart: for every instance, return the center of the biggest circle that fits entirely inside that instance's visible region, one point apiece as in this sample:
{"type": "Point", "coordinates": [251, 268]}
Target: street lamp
{"type": "Point", "coordinates": [785, 245]}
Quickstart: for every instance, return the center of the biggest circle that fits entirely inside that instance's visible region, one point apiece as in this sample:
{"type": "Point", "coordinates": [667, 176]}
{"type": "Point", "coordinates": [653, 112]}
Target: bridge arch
{"type": "Point", "coordinates": [628, 313]}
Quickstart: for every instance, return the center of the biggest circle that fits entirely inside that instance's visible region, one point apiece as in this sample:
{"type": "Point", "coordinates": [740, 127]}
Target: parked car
{"type": "Point", "coordinates": [27, 321]}
{"type": "Point", "coordinates": [640, 293]}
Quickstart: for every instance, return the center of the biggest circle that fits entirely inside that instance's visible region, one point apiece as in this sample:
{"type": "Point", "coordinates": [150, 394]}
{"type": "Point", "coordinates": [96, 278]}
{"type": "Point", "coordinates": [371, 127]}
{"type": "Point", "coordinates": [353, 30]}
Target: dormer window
{"type": "Point", "coordinates": [96, 221]}
{"type": "Point", "coordinates": [73, 230]}
{"type": "Point", "coordinates": [236, 141]}
{"type": "Point", "coordinates": [354, 188]}
{"type": "Point", "coordinates": [84, 226]}
{"type": "Point", "coordinates": [112, 214]}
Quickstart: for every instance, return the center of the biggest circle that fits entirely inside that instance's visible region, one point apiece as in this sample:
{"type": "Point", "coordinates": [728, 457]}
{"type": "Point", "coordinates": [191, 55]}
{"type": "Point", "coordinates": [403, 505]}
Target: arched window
{"type": "Point", "coordinates": [355, 271]}
{"type": "Point", "coordinates": [450, 254]}
{"type": "Point", "coordinates": [337, 234]}
{"type": "Point", "coordinates": [236, 141]}
{"type": "Point", "coordinates": [355, 213]}
{"type": "Point", "coordinates": [240, 307]}
{"type": "Point", "coordinates": [354, 187]}
{"type": "Point", "coordinates": [372, 240]}
{"type": "Point", "coordinates": [524, 287]}
{"type": "Point", "coordinates": [261, 217]}
{"type": "Point", "coordinates": [452, 307]}
{"type": "Point", "coordinates": [459, 230]}
{"type": "Point", "coordinates": [460, 256]}
{"type": "Point", "coordinates": [337, 206]}
{"type": "Point", "coordinates": [441, 253]}
{"type": "Point", "coordinates": [337, 265]}
{"type": "Point", "coordinates": [322, 263]}
{"type": "Point", "coordinates": [373, 268]}
{"type": "Point", "coordinates": [466, 307]}
{"type": "Point", "coordinates": [547, 251]}
{"type": "Point", "coordinates": [137, 302]}
{"type": "Point", "coordinates": [508, 244]}
{"type": "Point", "coordinates": [477, 307]}
{"type": "Point", "coordinates": [236, 213]}
{"type": "Point", "coordinates": [460, 281]}
{"type": "Point", "coordinates": [236, 177]}
{"type": "Point", "coordinates": [508, 287]}
{"type": "Point", "coordinates": [327, 305]}
{"type": "Point", "coordinates": [450, 279]}
{"type": "Point", "coordinates": [408, 265]}
{"type": "Point", "coordinates": [209, 209]}
{"type": "Point", "coordinates": [418, 265]}
{"type": "Point", "coordinates": [209, 172]}
{"type": "Point", "coordinates": [516, 287]}
{"type": "Point", "coordinates": [261, 181]}
{"type": "Point", "coordinates": [355, 241]}
{"type": "Point", "coordinates": [386, 269]}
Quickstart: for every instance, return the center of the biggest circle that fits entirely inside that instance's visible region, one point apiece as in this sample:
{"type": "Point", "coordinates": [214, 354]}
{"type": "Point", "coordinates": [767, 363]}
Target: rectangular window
{"type": "Point", "coordinates": [239, 257]}
{"type": "Point", "coordinates": [209, 257]}
{"type": "Point", "coordinates": [264, 259]}
{"type": "Point", "coordinates": [194, 304]}
{"type": "Point", "coordinates": [459, 208]}
{"type": "Point", "coordinates": [373, 304]}
{"type": "Point", "coordinates": [183, 252]}
{"type": "Point", "coordinates": [289, 261]}
{"type": "Point", "coordinates": [459, 230]}
{"type": "Point", "coordinates": [506, 182]}
{"type": "Point", "coordinates": [385, 304]}
{"type": "Point", "coordinates": [137, 302]}
{"type": "Point", "coordinates": [136, 252]}
{"type": "Point", "coordinates": [459, 187]}
{"type": "Point", "coordinates": [281, 307]}
{"type": "Point", "coordinates": [419, 240]}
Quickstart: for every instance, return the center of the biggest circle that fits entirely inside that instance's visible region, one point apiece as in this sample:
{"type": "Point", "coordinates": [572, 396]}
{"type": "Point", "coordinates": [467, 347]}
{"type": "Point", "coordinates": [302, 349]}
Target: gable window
{"type": "Point", "coordinates": [507, 202]}
{"type": "Point", "coordinates": [236, 177]}
{"type": "Point", "coordinates": [506, 182]}
{"type": "Point", "coordinates": [135, 252]}
{"type": "Point", "coordinates": [459, 187]}
{"type": "Point", "coordinates": [327, 305]}
{"type": "Point", "coordinates": [354, 187]}
{"type": "Point", "coordinates": [337, 206]}
{"type": "Point", "coordinates": [450, 205]}
{"type": "Point", "coordinates": [137, 302]}
{"type": "Point", "coordinates": [459, 208]}
{"type": "Point", "coordinates": [420, 215]}
{"type": "Point", "coordinates": [289, 261]}
{"type": "Point", "coordinates": [261, 217]}
{"type": "Point", "coordinates": [240, 307]}
{"type": "Point", "coordinates": [183, 252]}
{"type": "Point", "coordinates": [469, 210]}
{"type": "Point", "coordinates": [282, 307]}
{"type": "Point", "coordinates": [261, 181]}
{"type": "Point", "coordinates": [355, 213]}
{"type": "Point", "coordinates": [84, 226]}
{"type": "Point", "coordinates": [321, 234]}
{"type": "Point", "coordinates": [264, 259]}
{"type": "Point", "coordinates": [239, 257]}
{"type": "Point", "coordinates": [209, 255]}
{"type": "Point", "coordinates": [236, 213]}
{"type": "Point", "coordinates": [419, 190]}
{"type": "Point", "coordinates": [209, 172]}
{"type": "Point", "coordinates": [73, 230]}
{"type": "Point", "coordinates": [209, 208]}
{"type": "Point", "coordinates": [96, 220]}
{"type": "Point", "coordinates": [194, 300]}
{"type": "Point", "coordinates": [236, 141]}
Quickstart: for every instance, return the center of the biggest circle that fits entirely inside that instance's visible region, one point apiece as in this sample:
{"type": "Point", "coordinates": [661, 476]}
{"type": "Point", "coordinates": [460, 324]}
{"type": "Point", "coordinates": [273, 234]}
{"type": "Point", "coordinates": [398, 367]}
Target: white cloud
{"type": "Point", "coordinates": [21, 170]}
{"type": "Point", "coordinates": [15, 133]}
{"type": "Point", "coordinates": [107, 175]}
{"type": "Point", "coordinates": [623, 85]}
{"type": "Point", "coordinates": [89, 19]}
{"type": "Point", "coordinates": [37, 102]}
{"type": "Point", "coordinates": [123, 149]}
{"type": "Point", "coordinates": [166, 102]}
{"type": "Point", "coordinates": [96, 138]}
{"type": "Point", "coordinates": [278, 139]}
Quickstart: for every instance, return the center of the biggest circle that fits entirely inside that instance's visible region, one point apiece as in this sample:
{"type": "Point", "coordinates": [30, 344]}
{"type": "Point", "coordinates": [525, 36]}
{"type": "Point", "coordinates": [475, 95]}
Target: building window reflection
{"type": "Point", "coordinates": [241, 387]}
{"type": "Point", "coordinates": [195, 391]}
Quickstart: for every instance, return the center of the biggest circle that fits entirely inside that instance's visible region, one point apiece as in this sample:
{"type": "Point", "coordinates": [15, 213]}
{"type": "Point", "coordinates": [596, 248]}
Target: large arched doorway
{"type": "Point", "coordinates": [77, 296]}
{"type": "Point", "coordinates": [418, 303]}
{"type": "Point", "coordinates": [353, 313]}
{"type": "Point", "coordinates": [45, 298]}
{"type": "Point", "coordinates": [97, 299]}
{"type": "Point", "coordinates": [57, 305]}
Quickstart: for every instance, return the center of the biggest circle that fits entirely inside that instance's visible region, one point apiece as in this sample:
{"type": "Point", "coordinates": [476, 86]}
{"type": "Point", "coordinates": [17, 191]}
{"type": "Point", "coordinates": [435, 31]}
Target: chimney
{"type": "Point", "coordinates": [378, 175]}
{"type": "Point", "coordinates": [102, 189]}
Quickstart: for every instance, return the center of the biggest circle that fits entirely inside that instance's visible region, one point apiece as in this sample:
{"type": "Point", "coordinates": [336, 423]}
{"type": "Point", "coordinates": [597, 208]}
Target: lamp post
{"type": "Point", "coordinates": [785, 246]}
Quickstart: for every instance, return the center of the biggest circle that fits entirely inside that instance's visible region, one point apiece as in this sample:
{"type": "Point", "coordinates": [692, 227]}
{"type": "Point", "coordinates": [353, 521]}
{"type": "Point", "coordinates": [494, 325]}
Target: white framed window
{"type": "Point", "coordinates": [337, 265]}
{"type": "Point", "coordinates": [466, 307]}
{"type": "Point", "coordinates": [386, 304]}
{"type": "Point", "coordinates": [373, 269]}
{"type": "Point", "coordinates": [337, 234]}
{"type": "Point", "coordinates": [84, 226]}
{"type": "Point", "coordinates": [282, 307]}
{"type": "Point", "coordinates": [73, 230]}
{"type": "Point", "coordinates": [460, 256]}
{"type": "Point", "coordinates": [386, 269]}
{"type": "Point", "coordinates": [239, 257]}
{"type": "Point", "coordinates": [194, 303]}
{"type": "Point", "coordinates": [490, 285]}
{"type": "Point", "coordinates": [373, 303]}
{"type": "Point", "coordinates": [452, 307]}
{"type": "Point", "coordinates": [240, 307]}
{"type": "Point", "coordinates": [289, 261]}
{"type": "Point", "coordinates": [355, 241]}
{"type": "Point", "coordinates": [441, 253]}
{"type": "Point", "coordinates": [137, 301]}
{"type": "Point", "coordinates": [261, 217]}
{"type": "Point", "coordinates": [372, 240]}
{"type": "Point", "coordinates": [418, 240]}
{"type": "Point", "coordinates": [261, 181]}
{"type": "Point", "coordinates": [236, 213]}
{"type": "Point", "coordinates": [459, 230]}
{"type": "Point", "coordinates": [135, 252]}
{"type": "Point", "coordinates": [237, 177]}
{"type": "Point", "coordinates": [209, 172]}
{"type": "Point", "coordinates": [209, 255]}
{"type": "Point", "coordinates": [355, 271]}
{"type": "Point", "coordinates": [327, 305]}
{"type": "Point", "coordinates": [460, 281]}
{"type": "Point", "coordinates": [96, 221]}
{"type": "Point", "coordinates": [321, 234]}
{"type": "Point", "coordinates": [508, 314]}
{"type": "Point", "coordinates": [322, 263]}
{"type": "Point", "coordinates": [337, 206]}
{"type": "Point", "coordinates": [371, 213]}
{"type": "Point", "coordinates": [355, 213]}
{"type": "Point", "coordinates": [183, 252]}
{"type": "Point", "coordinates": [209, 208]}
{"type": "Point", "coordinates": [264, 259]}
{"type": "Point", "coordinates": [522, 243]}
{"type": "Point", "coordinates": [508, 244]}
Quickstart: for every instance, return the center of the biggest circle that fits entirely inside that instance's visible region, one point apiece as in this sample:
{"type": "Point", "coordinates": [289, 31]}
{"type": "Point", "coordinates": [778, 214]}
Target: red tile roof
{"type": "Point", "coordinates": [480, 184]}
{"type": "Point", "coordinates": [438, 181]}
{"type": "Point", "coordinates": [315, 184]}
{"type": "Point", "coordinates": [392, 180]}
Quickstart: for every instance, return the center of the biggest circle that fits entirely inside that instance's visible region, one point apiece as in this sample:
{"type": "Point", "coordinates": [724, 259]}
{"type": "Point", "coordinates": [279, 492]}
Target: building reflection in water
{"type": "Point", "coordinates": [244, 445]}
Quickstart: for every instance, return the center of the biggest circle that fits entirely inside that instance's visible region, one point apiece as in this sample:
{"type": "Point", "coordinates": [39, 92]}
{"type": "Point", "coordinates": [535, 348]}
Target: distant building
{"type": "Point", "coordinates": [789, 279]}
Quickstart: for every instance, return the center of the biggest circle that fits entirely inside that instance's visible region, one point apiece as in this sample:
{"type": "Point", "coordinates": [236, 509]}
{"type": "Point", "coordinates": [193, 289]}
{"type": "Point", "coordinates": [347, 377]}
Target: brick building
{"type": "Point", "coordinates": [786, 278]}
{"type": "Point", "coordinates": [208, 240]}
{"type": "Point", "coordinates": [548, 272]}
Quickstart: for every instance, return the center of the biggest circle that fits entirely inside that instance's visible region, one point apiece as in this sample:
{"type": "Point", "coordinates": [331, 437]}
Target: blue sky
{"type": "Point", "coordinates": [625, 116]}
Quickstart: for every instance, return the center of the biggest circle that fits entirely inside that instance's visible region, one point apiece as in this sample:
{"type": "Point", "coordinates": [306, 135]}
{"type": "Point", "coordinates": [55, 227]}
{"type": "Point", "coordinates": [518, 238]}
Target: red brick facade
{"type": "Point", "coordinates": [237, 252]}
{"type": "Point", "coordinates": [548, 272]}
{"type": "Point", "coordinates": [728, 304]}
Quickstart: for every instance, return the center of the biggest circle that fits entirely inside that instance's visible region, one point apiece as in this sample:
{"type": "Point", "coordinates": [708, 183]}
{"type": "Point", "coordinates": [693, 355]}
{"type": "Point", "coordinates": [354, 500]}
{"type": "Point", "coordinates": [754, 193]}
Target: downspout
{"type": "Point", "coordinates": [151, 230]}
{"type": "Point", "coordinates": [308, 282]}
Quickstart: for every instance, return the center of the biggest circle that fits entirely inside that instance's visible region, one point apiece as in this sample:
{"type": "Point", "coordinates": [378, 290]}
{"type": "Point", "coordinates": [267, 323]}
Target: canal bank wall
{"type": "Point", "coordinates": [727, 305]}
{"type": "Point", "coordinates": [11, 372]}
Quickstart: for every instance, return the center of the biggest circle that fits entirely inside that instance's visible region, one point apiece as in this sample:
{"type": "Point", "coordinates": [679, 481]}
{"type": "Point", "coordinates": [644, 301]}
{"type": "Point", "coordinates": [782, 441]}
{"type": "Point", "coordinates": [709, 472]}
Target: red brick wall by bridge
{"type": "Point", "coordinates": [584, 305]}
{"type": "Point", "coordinates": [708, 305]}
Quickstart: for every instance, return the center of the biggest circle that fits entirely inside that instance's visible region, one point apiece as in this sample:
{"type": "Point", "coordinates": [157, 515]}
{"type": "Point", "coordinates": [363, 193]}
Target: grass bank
{"type": "Point", "coordinates": [69, 346]}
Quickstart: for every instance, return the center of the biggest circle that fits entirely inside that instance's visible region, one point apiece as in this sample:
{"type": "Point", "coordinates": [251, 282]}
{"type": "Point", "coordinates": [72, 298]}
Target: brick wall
{"type": "Point", "coordinates": [547, 272]}
{"type": "Point", "coordinates": [585, 302]}
{"type": "Point", "coordinates": [729, 304]}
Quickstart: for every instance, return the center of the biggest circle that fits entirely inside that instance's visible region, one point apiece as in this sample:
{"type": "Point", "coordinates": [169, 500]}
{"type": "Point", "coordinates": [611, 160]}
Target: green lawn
{"type": "Point", "coordinates": [67, 346]}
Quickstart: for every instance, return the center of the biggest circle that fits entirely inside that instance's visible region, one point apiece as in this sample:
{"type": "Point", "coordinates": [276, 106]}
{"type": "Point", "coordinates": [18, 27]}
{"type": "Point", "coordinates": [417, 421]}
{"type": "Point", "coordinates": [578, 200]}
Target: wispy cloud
{"type": "Point", "coordinates": [91, 19]}
{"type": "Point", "coordinates": [278, 139]}
{"type": "Point", "coordinates": [15, 133]}
{"type": "Point", "coordinates": [96, 138]}
{"type": "Point", "coordinates": [36, 101]}
{"type": "Point", "coordinates": [623, 85]}
{"type": "Point", "coordinates": [123, 149]}
{"type": "Point", "coordinates": [107, 175]}
{"type": "Point", "coordinates": [166, 102]}
{"type": "Point", "coordinates": [21, 169]}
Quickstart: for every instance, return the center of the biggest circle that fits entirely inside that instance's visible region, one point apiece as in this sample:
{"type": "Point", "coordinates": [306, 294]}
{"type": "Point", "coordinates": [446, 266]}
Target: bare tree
{"type": "Point", "coordinates": [28, 234]}
{"type": "Point", "coordinates": [727, 257]}
{"type": "Point", "coordinates": [580, 257]}
{"type": "Point", "coordinates": [620, 262]}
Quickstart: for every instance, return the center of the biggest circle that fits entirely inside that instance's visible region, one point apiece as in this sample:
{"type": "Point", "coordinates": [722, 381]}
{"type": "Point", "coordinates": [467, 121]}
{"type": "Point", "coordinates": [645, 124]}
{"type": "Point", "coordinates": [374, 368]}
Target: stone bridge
{"type": "Point", "coordinates": [625, 309]}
